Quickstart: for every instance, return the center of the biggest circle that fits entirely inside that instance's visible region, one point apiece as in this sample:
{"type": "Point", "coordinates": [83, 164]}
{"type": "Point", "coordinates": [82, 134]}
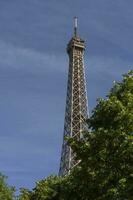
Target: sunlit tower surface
{"type": "Point", "coordinates": [76, 102]}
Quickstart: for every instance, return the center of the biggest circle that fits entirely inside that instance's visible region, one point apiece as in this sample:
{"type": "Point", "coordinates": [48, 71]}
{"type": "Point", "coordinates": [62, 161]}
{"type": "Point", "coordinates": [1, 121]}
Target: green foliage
{"type": "Point", "coordinates": [105, 169]}
{"type": "Point", "coordinates": [6, 192]}
{"type": "Point", "coordinates": [116, 112]}
{"type": "Point", "coordinates": [47, 189]}
{"type": "Point", "coordinates": [51, 188]}
{"type": "Point", "coordinates": [24, 194]}
{"type": "Point", "coordinates": [105, 154]}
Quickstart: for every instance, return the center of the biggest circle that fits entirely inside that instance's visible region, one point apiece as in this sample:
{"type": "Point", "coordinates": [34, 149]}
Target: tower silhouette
{"type": "Point", "coordinates": [76, 102]}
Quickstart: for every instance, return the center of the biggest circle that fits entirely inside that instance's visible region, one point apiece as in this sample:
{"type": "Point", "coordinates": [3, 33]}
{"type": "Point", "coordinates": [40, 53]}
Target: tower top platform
{"type": "Point", "coordinates": [76, 42]}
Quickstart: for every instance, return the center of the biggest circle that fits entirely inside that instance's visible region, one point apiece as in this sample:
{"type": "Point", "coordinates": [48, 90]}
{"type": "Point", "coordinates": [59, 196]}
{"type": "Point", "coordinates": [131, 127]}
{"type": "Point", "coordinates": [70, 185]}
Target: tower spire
{"type": "Point", "coordinates": [76, 102]}
{"type": "Point", "coordinates": [75, 26]}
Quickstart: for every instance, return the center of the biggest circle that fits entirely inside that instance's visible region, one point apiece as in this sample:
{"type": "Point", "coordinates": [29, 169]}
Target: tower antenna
{"type": "Point", "coordinates": [75, 26]}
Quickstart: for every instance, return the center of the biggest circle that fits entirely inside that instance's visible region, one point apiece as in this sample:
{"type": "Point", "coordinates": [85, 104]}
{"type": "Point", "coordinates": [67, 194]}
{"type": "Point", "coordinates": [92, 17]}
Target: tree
{"type": "Point", "coordinates": [105, 170]}
{"type": "Point", "coordinates": [115, 112]}
{"type": "Point", "coordinates": [51, 188]}
{"type": "Point", "coordinates": [105, 154]}
{"type": "Point", "coordinates": [6, 192]}
{"type": "Point", "coordinates": [25, 194]}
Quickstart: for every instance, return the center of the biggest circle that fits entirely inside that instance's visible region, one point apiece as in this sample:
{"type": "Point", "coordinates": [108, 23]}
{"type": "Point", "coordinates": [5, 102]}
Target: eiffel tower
{"type": "Point", "coordinates": [76, 102]}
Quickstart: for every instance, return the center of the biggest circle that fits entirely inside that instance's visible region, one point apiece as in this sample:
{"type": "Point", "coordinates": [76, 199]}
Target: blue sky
{"type": "Point", "coordinates": [33, 74]}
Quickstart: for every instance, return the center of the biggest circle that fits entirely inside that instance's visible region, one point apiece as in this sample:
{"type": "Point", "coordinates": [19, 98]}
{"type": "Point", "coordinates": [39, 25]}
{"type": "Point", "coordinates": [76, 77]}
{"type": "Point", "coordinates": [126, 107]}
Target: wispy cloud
{"type": "Point", "coordinates": [29, 60]}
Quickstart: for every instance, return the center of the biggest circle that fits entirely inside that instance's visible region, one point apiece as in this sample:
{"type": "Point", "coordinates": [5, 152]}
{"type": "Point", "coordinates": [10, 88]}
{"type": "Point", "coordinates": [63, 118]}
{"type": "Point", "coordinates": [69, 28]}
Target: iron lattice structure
{"type": "Point", "coordinates": [76, 103]}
